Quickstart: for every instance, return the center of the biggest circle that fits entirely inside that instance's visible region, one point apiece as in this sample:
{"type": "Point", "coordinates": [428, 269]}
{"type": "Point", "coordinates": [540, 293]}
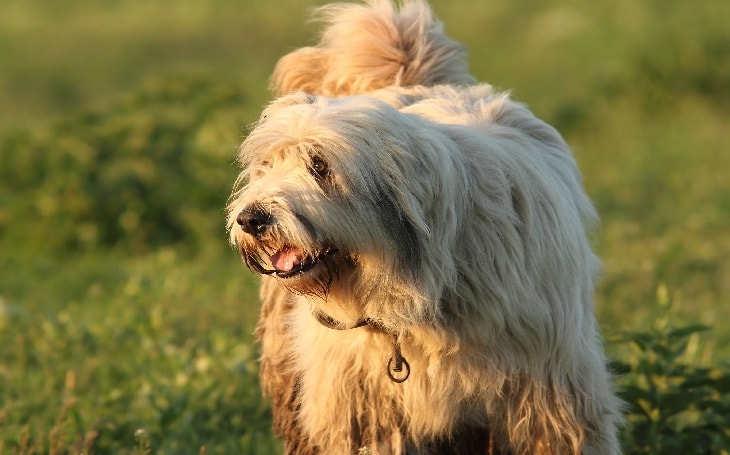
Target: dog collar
{"type": "Point", "coordinates": [398, 368]}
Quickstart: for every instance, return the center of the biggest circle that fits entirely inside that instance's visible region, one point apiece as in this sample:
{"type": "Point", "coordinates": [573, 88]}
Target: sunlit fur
{"type": "Point", "coordinates": [460, 225]}
{"type": "Point", "coordinates": [371, 46]}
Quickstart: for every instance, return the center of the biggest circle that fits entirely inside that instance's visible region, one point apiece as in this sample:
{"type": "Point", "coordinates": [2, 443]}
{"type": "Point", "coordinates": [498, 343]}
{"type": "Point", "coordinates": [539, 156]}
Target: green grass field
{"type": "Point", "coordinates": [125, 318]}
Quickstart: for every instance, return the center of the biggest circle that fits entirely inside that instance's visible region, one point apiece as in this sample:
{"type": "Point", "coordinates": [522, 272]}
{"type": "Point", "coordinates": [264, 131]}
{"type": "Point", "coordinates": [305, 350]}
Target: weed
{"type": "Point", "coordinates": [674, 405]}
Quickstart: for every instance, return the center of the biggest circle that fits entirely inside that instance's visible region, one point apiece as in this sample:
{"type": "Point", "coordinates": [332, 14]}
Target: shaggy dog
{"type": "Point", "coordinates": [427, 281]}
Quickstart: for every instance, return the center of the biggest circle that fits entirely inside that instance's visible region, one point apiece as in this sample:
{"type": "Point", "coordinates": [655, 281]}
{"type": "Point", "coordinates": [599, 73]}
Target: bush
{"type": "Point", "coordinates": [155, 169]}
{"type": "Point", "coordinates": [673, 406]}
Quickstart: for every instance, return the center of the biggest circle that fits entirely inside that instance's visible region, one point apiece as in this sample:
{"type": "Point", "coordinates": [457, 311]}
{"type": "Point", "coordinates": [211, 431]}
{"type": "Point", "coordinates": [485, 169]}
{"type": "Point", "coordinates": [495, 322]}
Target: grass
{"type": "Point", "coordinates": [125, 321]}
{"type": "Point", "coordinates": [117, 349]}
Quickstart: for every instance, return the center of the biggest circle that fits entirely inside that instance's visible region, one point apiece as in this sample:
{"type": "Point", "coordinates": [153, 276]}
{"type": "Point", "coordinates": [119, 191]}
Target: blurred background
{"type": "Point", "coordinates": [126, 319]}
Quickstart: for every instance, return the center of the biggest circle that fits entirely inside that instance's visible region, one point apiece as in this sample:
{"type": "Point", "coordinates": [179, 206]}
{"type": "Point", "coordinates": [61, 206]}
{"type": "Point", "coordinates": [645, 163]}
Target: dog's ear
{"type": "Point", "coordinates": [401, 228]}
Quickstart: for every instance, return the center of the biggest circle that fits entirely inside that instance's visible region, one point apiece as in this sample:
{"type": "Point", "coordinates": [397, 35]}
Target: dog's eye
{"type": "Point", "coordinates": [319, 168]}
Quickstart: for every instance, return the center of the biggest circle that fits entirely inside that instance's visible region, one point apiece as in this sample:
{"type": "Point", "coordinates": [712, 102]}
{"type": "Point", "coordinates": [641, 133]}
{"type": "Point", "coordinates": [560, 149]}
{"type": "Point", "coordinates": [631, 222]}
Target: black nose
{"type": "Point", "coordinates": [254, 220]}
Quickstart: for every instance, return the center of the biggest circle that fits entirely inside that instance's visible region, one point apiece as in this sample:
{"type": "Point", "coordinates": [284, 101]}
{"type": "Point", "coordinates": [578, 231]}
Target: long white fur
{"type": "Point", "coordinates": [502, 218]}
{"type": "Point", "coordinates": [495, 314]}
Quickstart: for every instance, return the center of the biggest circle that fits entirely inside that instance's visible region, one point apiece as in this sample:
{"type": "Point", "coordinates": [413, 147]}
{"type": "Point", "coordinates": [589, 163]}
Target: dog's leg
{"type": "Point", "coordinates": [279, 380]}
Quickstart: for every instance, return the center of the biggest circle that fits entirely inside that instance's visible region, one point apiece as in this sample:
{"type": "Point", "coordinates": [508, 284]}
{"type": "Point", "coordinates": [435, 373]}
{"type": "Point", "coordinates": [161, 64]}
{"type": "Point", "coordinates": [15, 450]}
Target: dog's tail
{"type": "Point", "coordinates": [369, 46]}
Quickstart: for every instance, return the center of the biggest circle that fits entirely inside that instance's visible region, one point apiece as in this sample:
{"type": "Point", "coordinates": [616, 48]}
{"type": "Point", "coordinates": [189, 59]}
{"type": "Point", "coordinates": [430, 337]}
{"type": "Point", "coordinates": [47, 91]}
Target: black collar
{"type": "Point", "coordinates": [332, 323]}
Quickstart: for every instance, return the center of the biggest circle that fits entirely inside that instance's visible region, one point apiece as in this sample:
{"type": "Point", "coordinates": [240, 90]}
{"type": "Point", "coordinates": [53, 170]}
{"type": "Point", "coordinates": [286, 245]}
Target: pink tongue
{"type": "Point", "coordinates": [286, 259]}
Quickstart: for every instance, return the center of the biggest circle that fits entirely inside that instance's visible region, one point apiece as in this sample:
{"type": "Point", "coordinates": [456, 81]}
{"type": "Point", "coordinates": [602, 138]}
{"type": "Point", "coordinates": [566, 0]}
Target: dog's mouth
{"type": "Point", "coordinates": [288, 261]}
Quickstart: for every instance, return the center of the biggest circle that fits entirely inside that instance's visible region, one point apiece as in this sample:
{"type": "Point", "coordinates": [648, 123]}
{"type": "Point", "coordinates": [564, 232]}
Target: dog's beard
{"type": "Point", "coordinates": [304, 271]}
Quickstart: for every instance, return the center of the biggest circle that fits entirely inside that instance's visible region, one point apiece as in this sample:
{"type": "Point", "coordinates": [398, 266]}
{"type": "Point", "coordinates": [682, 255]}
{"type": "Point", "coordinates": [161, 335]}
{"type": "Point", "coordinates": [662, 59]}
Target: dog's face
{"type": "Point", "coordinates": [322, 201]}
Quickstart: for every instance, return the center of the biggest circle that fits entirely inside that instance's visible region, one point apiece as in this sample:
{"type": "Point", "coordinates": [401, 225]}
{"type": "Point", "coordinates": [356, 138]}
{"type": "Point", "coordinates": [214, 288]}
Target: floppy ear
{"type": "Point", "coordinates": [302, 69]}
{"type": "Point", "coordinates": [401, 229]}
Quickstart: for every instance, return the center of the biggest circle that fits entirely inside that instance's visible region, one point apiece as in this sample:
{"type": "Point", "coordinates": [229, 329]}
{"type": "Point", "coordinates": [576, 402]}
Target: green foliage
{"type": "Point", "coordinates": [152, 170]}
{"type": "Point", "coordinates": [131, 360]}
{"type": "Point", "coordinates": [673, 405]}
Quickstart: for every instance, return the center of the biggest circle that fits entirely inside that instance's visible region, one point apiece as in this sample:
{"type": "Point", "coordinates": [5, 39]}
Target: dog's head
{"type": "Point", "coordinates": [330, 196]}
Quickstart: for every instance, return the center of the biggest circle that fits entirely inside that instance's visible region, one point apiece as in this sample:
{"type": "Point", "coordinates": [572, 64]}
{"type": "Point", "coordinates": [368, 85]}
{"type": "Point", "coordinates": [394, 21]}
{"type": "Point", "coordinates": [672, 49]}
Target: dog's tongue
{"type": "Point", "coordinates": [286, 259]}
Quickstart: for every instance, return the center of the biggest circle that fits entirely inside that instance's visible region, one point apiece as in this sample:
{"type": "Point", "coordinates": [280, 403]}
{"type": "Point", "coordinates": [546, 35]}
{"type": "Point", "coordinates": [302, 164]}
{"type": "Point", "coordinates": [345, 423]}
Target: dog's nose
{"type": "Point", "coordinates": [254, 220]}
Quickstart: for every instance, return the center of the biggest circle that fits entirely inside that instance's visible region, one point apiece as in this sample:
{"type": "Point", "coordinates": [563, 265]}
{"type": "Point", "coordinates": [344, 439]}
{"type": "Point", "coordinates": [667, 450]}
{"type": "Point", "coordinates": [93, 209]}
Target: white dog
{"type": "Point", "coordinates": [427, 279]}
